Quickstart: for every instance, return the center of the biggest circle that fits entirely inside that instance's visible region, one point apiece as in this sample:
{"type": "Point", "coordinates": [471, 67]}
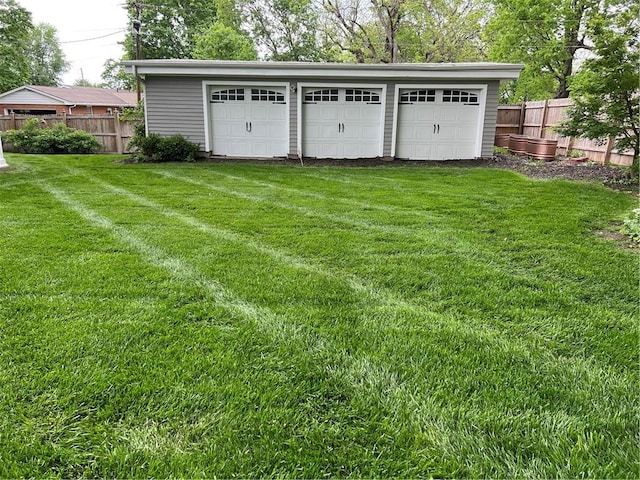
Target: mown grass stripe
{"type": "Point", "coordinates": [176, 267]}
{"type": "Point", "coordinates": [333, 198]}
{"type": "Point", "coordinates": [309, 212]}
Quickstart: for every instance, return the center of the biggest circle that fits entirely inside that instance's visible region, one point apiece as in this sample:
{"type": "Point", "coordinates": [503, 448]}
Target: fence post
{"type": "Point", "coordinates": [569, 147]}
{"type": "Point", "coordinates": [608, 150]}
{"type": "Point", "coordinates": [13, 120]}
{"type": "Point", "coordinates": [523, 113]}
{"type": "Point", "coordinates": [118, 128]}
{"type": "Point", "coordinates": [543, 121]}
{"type": "Point", "coordinates": [64, 117]}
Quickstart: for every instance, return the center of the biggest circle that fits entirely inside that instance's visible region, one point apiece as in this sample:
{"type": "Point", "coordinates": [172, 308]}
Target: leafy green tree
{"type": "Point", "coordinates": [606, 90]}
{"type": "Point", "coordinates": [221, 42]}
{"type": "Point", "coordinates": [169, 27]}
{"type": "Point", "coordinates": [444, 31]}
{"type": "Point", "coordinates": [15, 25]}
{"type": "Point", "coordinates": [547, 36]}
{"type": "Point", "coordinates": [113, 76]}
{"type": "Point", "coordinates": [286, 30]}
{"type": "Point", "coordinates": [393, 31]}
{"type": "Point", "coordinates": [83, 82]}
{"type": "Point", "coordinates": [47, 62]}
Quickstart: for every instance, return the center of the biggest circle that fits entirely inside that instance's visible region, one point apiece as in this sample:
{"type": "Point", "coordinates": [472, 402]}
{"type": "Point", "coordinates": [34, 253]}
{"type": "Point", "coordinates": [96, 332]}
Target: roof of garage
{"type": "Point", "coordinates": [301, 70]}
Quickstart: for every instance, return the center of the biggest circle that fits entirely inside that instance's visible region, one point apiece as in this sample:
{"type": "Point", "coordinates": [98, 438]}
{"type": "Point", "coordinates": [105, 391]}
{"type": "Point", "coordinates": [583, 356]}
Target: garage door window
{"type": "Point", "coordinates": [234, 94]}
{"type": "Point", "coordinates": [329, 95]}
{"type": "Point", "coordinates": [458, 96]}
{"type": "Point", "coordinates": [352, 95]}
{"type": "Point", "coordinates": [418, 96]}
{"type": "Point", "coordinates": [259, 95]}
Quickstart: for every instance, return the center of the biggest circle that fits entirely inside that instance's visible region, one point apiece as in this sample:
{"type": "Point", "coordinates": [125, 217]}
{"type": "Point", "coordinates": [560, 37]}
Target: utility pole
{"type": "Point", "coordinates": [136, 27]}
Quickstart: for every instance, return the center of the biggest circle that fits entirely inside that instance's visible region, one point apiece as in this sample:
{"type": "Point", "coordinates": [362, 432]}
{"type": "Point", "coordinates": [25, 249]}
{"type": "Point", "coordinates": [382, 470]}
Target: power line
{"type": "Point", "coordinates": [121, 30]}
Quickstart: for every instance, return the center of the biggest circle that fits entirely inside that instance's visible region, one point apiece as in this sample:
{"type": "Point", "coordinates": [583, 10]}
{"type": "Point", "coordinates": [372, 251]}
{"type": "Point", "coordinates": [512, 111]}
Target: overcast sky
{"type": "Point", "coordinates": [79, 22]}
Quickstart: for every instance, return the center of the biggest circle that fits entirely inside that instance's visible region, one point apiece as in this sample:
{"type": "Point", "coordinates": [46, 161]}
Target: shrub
{"type": "Point", "coordinates": [154, 148]}
{"type": "Point", "coordinates": [631, 226]}
{"type": "Point", "coordinates": [59, 138]}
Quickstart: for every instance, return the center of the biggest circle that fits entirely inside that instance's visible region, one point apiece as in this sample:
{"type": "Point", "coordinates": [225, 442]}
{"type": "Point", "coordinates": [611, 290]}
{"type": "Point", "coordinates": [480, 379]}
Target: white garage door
{"type": "Point", "coordinates": [438, 124]}
{"type": "Point", "coordinates": [342, 123]}
{"type": "Point", "coordinates": [249, 121]}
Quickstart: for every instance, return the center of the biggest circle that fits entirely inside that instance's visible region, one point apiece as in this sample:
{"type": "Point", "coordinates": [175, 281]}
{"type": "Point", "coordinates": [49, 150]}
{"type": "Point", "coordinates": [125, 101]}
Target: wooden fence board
{"type": "Point", "coordinates": [112, 133]}
{"type": "Point", "coordinates": [540, 119]}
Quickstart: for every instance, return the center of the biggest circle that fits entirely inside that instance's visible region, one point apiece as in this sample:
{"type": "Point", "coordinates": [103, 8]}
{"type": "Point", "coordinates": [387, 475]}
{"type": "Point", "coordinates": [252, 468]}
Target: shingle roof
{"type": "Point", "coordinates": [89, 95]}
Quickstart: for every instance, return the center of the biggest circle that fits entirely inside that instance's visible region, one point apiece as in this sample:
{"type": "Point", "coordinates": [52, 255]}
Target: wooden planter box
{"type": "Point", "coordinates": [502, 140]}
{"type": "Point", "coordinates": [542, 148]}
{"type": "Point", "coordinates": [518, 144]}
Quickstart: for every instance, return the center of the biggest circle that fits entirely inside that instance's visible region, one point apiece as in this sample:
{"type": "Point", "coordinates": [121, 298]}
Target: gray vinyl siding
{"type": "Point", "coordinates": [293, 120]}
{"type": "Point", "coordinates": [174, 105]}
{"type": "Point", "coordinates": [388, 119]}
{"type": "Point", "coordinates": [490, 118]}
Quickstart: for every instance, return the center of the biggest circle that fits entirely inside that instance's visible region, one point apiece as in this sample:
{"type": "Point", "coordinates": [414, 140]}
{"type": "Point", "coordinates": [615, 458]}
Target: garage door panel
{"type": "Point", "coordinates": [248, 121]}
{"type": "Point", "coordinates": [341, 122]}
{"type": "Point", "coordinates": [437, 124]}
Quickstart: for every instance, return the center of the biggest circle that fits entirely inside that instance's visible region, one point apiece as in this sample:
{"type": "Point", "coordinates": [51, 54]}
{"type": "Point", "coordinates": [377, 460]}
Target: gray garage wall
{"type": "Point", "coordinates": [490, 118]}
{"type": "Point", "coordinates": [174, 105]}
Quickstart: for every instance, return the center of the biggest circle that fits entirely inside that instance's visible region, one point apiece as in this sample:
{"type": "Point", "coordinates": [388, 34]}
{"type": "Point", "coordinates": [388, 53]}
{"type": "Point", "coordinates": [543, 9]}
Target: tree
{"type": "Point", "coordinates": [221, 42]}
{"type": "Point", "coordinates": [350, 26]}
{"type": "Point", "coordinates": [169, 27]}
{"type": "Point", "coordinates": [115, 77]}
{"type": "Point", "coordinates": [444, 31]}
{"type": "Point", "coordinates": [548, 36]}
{"type": "Point", "coordinates": [393, 31]}
{"type": "Point", "coordinates": [83, 82]}
{"type": "Point", "coordinates": [606, 90]}
{"type": "Point", "coordinates": [286, 30]}
{"type": "Point", "coordinates": [47, 62]}
{"type": "Point", "coordinates": [15, 25]}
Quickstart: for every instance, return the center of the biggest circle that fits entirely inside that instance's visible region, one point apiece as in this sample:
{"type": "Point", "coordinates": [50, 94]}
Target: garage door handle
{"type": "Point", "coordinates": [438, 128]}
{"type": "Point", "coordinates": [246, 126]}
{"type": "Point", "coordinates": [434, 128]}
{"type": "Point", "coordinates": [251, 128]}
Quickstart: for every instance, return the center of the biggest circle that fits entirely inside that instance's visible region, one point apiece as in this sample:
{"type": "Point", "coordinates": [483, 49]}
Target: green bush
{"type": "Point", "coordinates": [631, 226]}
{"type": "Point", "coordinates": [154, 148]}
{"type": "Point", "coordinates": [33, 138]}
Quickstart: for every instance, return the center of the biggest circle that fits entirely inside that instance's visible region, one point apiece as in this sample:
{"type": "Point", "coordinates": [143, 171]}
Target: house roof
{"type": "Point", "coordinates": [73, 95]}
{"type": "Point", "coordinates": [391, 71]}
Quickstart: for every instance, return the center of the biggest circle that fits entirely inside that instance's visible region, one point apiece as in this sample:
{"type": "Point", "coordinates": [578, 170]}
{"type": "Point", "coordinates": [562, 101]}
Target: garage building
{"type": "Point", "coordinates": [326, 110]}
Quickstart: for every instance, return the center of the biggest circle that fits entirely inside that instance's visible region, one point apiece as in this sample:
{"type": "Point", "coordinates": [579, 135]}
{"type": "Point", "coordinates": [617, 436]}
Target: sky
{"type": "Point", "coordinates": [79, 22]}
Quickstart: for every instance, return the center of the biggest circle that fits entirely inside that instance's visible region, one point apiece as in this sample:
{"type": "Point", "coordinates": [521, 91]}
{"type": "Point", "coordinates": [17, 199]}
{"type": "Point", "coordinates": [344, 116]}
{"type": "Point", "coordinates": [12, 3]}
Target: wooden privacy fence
{"type": "Point", "coordinates": [112, 133]}
{"type": "Point", "coordinates": [539, 119]}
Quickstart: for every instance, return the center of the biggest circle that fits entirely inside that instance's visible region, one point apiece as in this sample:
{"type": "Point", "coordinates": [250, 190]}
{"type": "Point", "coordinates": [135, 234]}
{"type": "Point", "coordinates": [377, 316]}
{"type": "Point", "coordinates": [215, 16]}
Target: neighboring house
{"type": "Point", "coordinates": [39, 100]}
{"type": "Point", "coordinates": [427, 111]}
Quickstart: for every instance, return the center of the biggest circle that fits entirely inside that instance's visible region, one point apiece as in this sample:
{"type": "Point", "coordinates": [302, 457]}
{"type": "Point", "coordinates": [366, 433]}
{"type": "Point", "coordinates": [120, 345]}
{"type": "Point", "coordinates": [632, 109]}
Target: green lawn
{"type": "Point", "coordinates": [220, 320]}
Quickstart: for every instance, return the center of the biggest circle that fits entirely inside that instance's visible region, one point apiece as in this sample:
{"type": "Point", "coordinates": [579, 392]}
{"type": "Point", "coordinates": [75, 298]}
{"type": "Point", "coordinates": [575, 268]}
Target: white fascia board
{"type": "Point", "coordinates": [308, 71]}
